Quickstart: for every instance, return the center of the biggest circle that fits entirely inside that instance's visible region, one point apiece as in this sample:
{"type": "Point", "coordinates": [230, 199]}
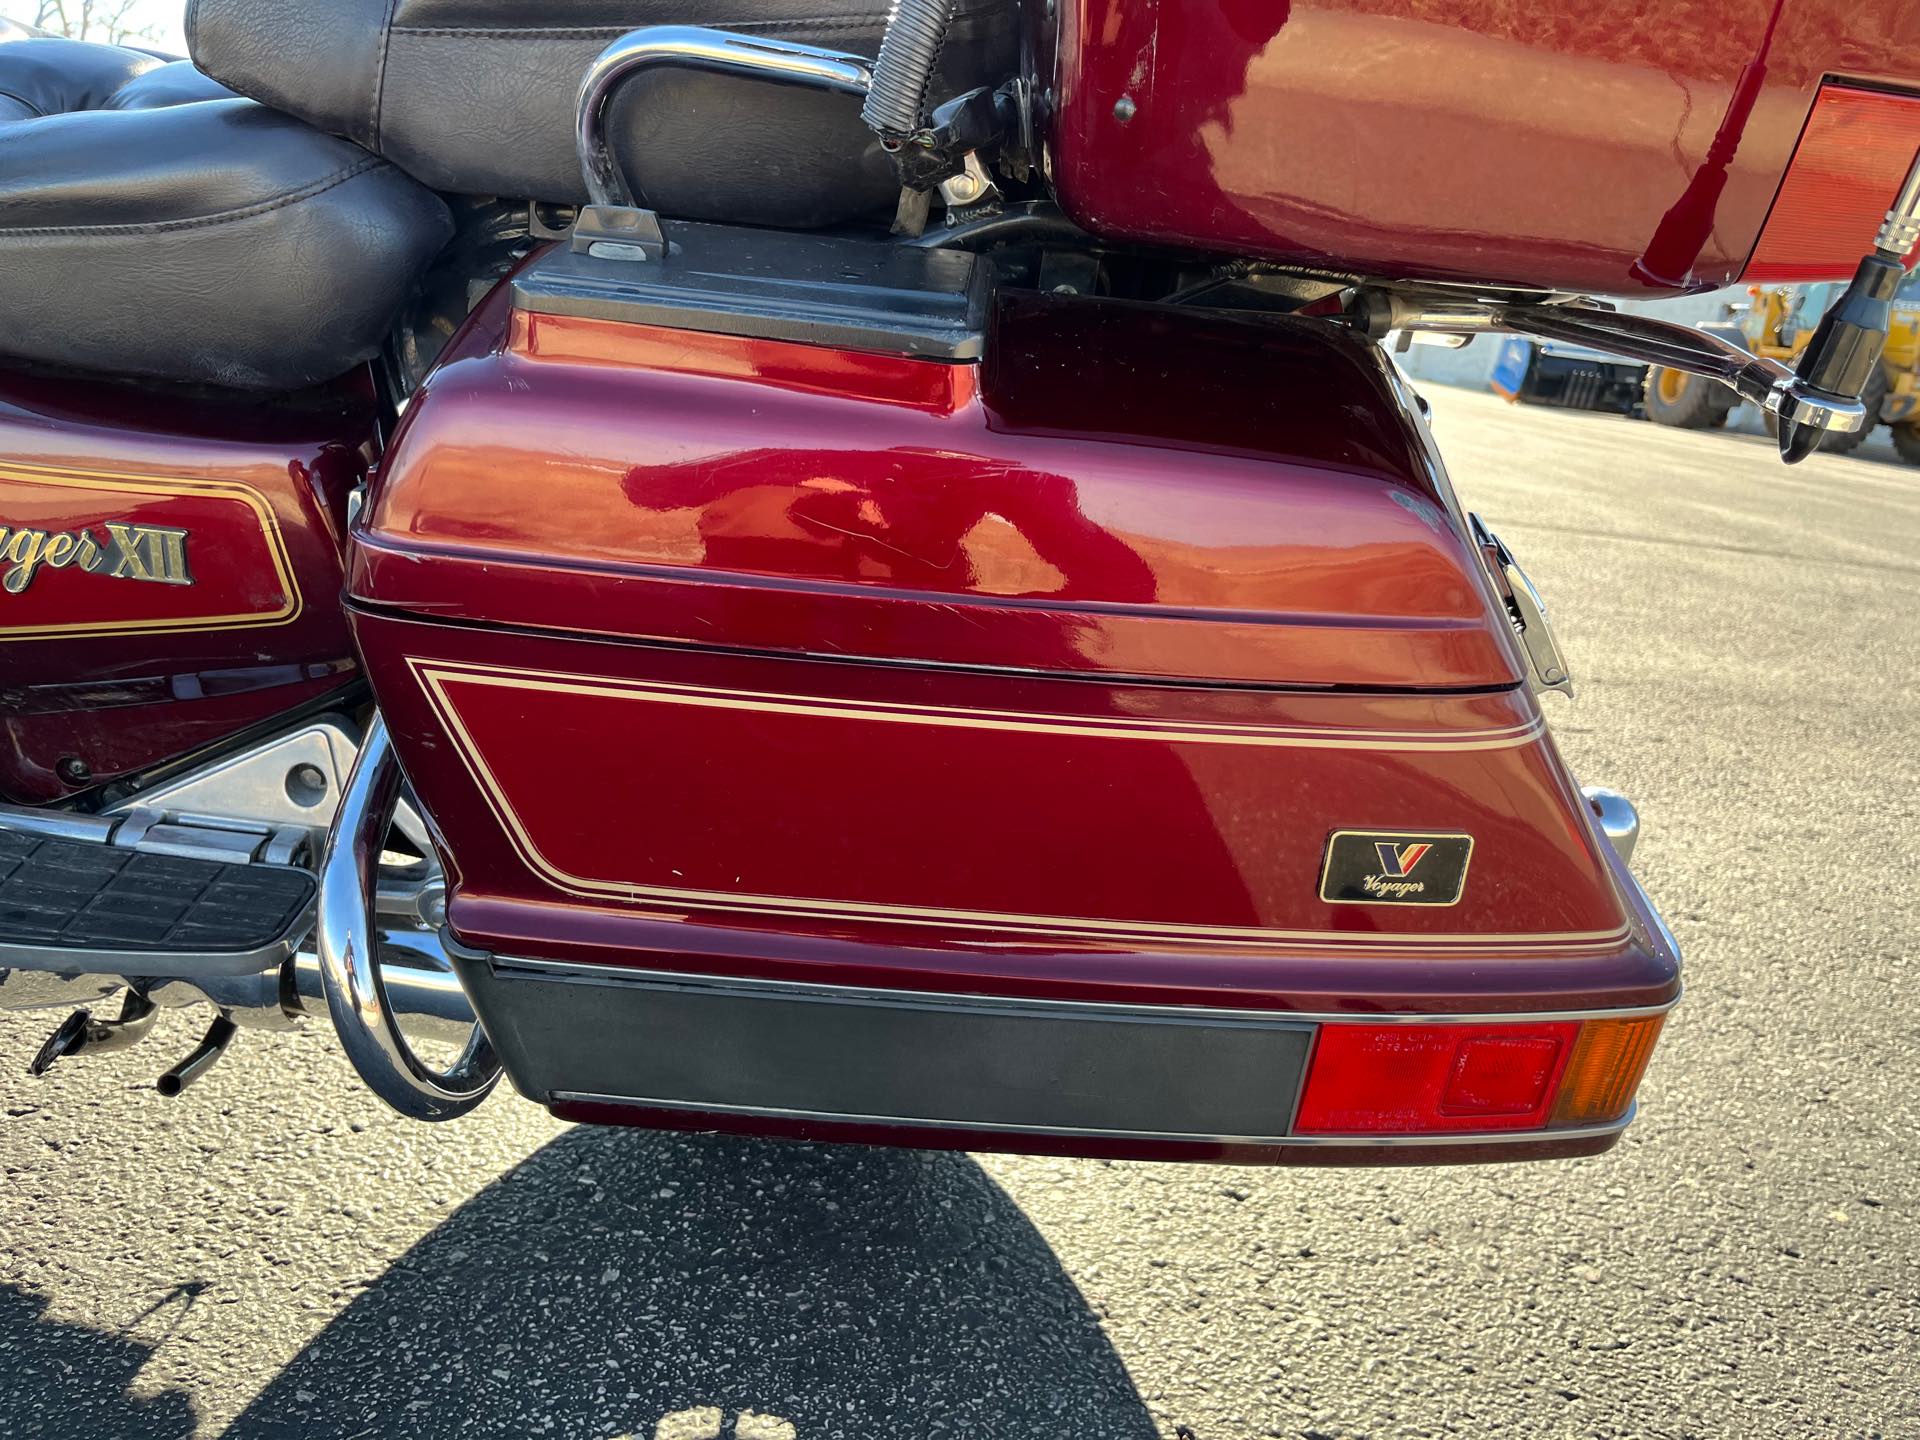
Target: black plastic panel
{"type": "Point", "coordinates": [697, 1043]}
{"type": "Point", "coordinates": [769, 284]}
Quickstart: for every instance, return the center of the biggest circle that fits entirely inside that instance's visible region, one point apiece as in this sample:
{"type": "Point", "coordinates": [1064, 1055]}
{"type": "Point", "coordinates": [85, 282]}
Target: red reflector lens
{"type": "Point", "coordinates": [1367, 1079]}
{"type": "Point", "coordinates": [1501, 1075]}
{"type": "Point", "coordinates": [1845, 172]}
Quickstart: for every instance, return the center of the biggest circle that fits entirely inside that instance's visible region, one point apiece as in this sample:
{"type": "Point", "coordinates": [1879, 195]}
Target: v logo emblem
{"type": "Point", "coordinates": [1399, 860]}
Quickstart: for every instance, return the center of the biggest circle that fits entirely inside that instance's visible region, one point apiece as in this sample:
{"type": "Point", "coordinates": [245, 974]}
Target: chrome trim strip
{"type": "Point", "coordinates": [590, 972]}
{"type": "Point", "coordinates": [1383, 1141]}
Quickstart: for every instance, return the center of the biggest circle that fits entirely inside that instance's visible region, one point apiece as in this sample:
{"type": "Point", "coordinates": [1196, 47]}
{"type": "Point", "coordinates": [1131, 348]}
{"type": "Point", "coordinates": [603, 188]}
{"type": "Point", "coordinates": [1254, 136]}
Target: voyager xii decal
{"type": "Point", "coordinates": [1388, 867]}
{"type": "Point", "coordinates": [123, 552]}
{"type": "Point", "coordinates": [90, 552]}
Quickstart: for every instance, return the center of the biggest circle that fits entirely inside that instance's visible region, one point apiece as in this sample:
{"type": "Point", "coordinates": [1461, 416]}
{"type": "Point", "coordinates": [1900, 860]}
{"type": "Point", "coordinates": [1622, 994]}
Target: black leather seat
{"type": "Point", "coordinates": [477, 96]}
{"type": "Point", "coordinates": [152, 223]}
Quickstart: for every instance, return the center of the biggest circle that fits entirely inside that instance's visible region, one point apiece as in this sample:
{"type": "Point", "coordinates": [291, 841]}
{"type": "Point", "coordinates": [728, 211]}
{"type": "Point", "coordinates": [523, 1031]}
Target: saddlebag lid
{"type": "Point", "coordinates": [782, 444]}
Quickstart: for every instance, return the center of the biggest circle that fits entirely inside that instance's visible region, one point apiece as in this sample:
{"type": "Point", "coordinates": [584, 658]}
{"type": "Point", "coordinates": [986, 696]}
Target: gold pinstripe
{"type": "Point", "coordinates": [435, 677]}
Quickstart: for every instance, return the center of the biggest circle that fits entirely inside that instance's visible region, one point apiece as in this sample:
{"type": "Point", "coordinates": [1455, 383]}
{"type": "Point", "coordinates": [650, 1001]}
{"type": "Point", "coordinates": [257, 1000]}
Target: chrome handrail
{"type": "Point", "coordinates": [692, 47]}
{"type": "Point", "coordinates": [346, 941]}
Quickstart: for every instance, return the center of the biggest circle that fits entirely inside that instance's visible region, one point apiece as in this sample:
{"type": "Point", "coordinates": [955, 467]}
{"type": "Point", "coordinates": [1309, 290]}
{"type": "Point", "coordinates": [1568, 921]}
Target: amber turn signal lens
{"type": "Point", "coordinates": [1605, 1069]}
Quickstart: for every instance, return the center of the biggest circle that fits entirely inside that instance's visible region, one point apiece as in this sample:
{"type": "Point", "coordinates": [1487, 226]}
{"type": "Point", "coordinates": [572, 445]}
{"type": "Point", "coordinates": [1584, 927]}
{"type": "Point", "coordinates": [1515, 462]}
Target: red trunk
{"type": "Point", "coordinates": [1537, 145]}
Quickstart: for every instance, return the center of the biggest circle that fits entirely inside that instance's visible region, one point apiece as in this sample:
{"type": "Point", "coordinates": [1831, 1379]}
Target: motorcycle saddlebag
{"type": "Point", "coordinates": [855, 704]}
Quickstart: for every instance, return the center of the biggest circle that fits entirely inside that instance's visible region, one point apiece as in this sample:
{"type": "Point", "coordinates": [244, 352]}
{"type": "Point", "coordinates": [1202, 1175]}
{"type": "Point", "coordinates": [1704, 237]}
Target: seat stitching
{"type": "Point", "coordinates": [380, 72]}
{"type": "Point", "coordinates": [244, 212]}
{"type": "Point", "coordinates": [38, 113]}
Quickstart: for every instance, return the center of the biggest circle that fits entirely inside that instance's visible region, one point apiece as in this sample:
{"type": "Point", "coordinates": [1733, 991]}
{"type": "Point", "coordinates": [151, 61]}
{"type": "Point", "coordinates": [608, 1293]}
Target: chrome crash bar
{"type": "Point", "coordinates": [346, 939]}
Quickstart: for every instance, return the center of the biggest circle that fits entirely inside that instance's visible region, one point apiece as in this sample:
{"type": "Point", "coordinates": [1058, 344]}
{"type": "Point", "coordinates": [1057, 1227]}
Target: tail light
{"type": "Point", "coordinates": [1848, 167]}
{"type": "Point", "coordinates": [1449, 1079]}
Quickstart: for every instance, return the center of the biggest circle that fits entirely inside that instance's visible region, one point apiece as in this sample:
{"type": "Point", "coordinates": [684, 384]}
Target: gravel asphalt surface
{"type": "Point", "coordinates": [273, 1255]}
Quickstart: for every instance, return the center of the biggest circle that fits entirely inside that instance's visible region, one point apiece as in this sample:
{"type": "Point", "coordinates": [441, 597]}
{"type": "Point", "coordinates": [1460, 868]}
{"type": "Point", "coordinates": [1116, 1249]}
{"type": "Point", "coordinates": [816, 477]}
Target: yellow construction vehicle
{"type": "Point", "coordinates": [1777, 323]}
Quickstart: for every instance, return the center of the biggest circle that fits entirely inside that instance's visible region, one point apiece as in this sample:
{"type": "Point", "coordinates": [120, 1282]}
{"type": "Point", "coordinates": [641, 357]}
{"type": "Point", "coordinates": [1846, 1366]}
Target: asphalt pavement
{"type": "Point", "coordinates": [273, 1255]}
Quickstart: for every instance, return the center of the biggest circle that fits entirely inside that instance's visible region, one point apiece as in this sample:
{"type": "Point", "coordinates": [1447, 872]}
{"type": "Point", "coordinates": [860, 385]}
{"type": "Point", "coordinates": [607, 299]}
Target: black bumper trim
{"type": "Point", "coordinates": [888, 1057]}
{"type": "Point", "coordinates": [1425, 1140]}
{"type": "Point", "coordinates": [576, 1033]}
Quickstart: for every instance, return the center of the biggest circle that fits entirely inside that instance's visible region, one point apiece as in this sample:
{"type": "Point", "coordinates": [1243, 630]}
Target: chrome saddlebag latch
{"type": "Point", "coordinates": [1525, 610]}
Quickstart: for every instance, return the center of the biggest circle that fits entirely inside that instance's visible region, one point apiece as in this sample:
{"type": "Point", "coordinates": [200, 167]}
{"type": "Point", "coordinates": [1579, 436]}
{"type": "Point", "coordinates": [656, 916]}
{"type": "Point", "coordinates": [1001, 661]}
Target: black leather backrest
{"type": "Point", "coordinates": [477, 96]}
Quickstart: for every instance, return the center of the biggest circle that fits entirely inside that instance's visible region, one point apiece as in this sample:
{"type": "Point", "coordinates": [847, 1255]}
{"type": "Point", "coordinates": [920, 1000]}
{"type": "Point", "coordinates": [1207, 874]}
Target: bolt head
{"type": "Point", "coordinates": [1124, 109]}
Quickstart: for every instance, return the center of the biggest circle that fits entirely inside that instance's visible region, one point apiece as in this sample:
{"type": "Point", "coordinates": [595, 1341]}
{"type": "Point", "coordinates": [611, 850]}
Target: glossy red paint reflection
{"type": "Point", "coordinates": [1091, 503]}
{"type": "Point", "coordinates": [1540, 145]}
{"type": "Point", "coordinates": [1050, 678]}
{"type": "Point", "coordinates": [115, 673]}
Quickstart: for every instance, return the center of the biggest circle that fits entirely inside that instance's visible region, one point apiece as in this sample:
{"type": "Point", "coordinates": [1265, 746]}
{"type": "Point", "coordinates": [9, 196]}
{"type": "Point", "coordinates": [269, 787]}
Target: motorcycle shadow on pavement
{"type": "Point", "coordinates": [627, 1283]}
{"type": "Point", "coordinates": [54, 1374]}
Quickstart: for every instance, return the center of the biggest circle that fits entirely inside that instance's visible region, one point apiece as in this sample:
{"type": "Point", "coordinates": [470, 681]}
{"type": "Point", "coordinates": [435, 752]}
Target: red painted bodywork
{"type": "Point", "coordinates": [1615, 150]}
{"type": "Point", "coordinates": [1048, 677]}
{"type": "Point", "coordinates": [122, 674]}
{"type": "Point", "coordinates": [869, 494]}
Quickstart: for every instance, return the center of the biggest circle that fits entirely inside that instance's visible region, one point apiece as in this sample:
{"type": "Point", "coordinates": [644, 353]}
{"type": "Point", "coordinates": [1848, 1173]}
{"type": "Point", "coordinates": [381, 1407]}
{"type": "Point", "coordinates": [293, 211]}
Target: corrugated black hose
{"type": "Point", "coordinates": [909, 51]}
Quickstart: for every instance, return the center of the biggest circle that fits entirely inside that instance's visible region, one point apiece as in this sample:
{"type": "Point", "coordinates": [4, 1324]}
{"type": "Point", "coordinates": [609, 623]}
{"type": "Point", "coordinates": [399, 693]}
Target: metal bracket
{"type": "Point", "coordinates": [609, 233]}
{"type": "Point", "coordinates": [291, 783]}
{"type": "Point", "coordinates": [1526, 610]}
{"type": "Point", "coordinates": [971, 185]}
{"type": "Point", "coordinates": [1766, 383]}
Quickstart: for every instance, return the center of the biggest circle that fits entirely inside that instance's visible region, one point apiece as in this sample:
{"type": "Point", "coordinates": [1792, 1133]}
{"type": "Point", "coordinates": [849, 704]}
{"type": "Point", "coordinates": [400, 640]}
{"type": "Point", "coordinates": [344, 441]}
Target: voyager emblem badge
{"type": "Point", "coordinates": [125, 552]}
{"type": "Point", "coordinates": [1391, 867]}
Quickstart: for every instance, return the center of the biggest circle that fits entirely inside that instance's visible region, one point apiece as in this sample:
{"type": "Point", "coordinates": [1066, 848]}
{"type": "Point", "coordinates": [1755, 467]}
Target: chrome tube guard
{"type": "Point", "coordinates": [346, 941]}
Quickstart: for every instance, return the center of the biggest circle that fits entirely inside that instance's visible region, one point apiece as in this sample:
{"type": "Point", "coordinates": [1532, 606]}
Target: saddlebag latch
{"type": "Point", "coordinates": [1525, 610]}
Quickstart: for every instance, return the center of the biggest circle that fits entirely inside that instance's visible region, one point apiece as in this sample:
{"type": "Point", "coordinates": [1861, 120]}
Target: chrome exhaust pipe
{"type": "Point", "coordinates": [346, 943]}
{"type": "Point", "coordinates": [425, 997]}
{"type": "Point", "coordinates": [424, 993]}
